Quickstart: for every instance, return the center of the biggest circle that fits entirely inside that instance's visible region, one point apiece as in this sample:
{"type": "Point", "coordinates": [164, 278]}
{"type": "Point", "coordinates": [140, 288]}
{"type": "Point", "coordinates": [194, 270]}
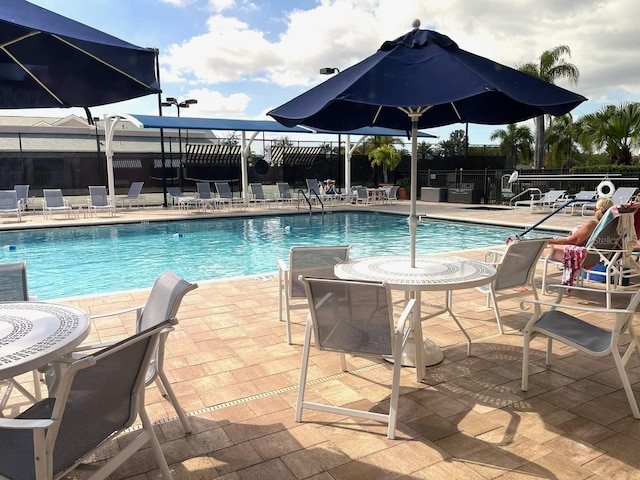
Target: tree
{"type": "Point", "coordinates": [231, 140]}
{"type": "Point", "coordinates": [386, 156]}
{"type": "Point", "coordinates": [455, 145]}
{"type": "Point", "coordinates": [551, 67]}
{"type": "Point", "coordinates": [560, 138]}
{"type": "Point", "coordinates": [515, 141]}
{"type": "Point", "coordinates": [425, 150]}
{"type": "Point", "coordinates": [614, 129]}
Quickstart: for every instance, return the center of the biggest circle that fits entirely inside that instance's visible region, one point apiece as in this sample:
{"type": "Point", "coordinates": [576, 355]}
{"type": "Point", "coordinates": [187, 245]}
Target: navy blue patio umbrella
{"type": "Point", "coordinates": [422, 80]}
{"type": "Point", "coordinates": [48, 60]}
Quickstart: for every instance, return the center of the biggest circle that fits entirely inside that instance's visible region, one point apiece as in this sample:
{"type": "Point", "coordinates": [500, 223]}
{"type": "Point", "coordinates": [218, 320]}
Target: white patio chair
{"type": "Point", "coordinates": [310, 261]}
{"type": "Point", "coordinates": [225, 195]}
{"type": "Point", "coordinates": [612, 333]}
{"type": "Point", "coordinates": [99, 200]}
{"type": "Point", "coordinates": [14, 288]}
{"type": "Point", "coordinates": [54, 202]}
{"type": "Point", "coordinates": [347, 316]}
{"type": "Point", "coordinates": [516, 268]}
{"type": "Point", "coordinates": [23, 196]}
{"type": "Point", "coordinates": [180, 199]}
{"type": "Point", "coordinates": [257, 195]}
{"type": "Point", "coordinates": [162, 304]}
{"type": "Point", "coordinates": [99, 396]}
{"type": "Point", "coordinates": [9, 203]}
{"type": "Point", "coordinates": [284, 193]}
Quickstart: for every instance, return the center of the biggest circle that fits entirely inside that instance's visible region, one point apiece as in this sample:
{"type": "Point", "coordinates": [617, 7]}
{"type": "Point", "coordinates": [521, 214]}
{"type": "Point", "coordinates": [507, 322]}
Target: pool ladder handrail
{"type": "Point", "coordinates": [533, 192]}
{"type": "Point", "coordinates": [308, 200]}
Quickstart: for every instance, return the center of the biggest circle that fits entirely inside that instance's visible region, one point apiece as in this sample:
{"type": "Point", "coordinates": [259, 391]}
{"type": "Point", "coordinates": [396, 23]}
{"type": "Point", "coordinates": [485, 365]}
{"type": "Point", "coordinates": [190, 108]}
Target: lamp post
{"type": "Point", "coordinates": [169, 101]}
{"type": "Point", "coordinates": [331, 71]}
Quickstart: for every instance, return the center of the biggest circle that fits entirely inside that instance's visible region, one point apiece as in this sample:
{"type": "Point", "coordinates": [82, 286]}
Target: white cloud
{"type": "Point", "coordinates": [221, 5]}
{"type": "Point", "coordinates": [178, 3]}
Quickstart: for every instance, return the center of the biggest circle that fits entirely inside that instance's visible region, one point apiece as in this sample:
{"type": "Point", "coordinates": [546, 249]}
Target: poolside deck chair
{"type": "Point", "coordinates": [162, 304]}
{"type": "Point", "coordinates": [99, 201]}
{"type": "Point", "coordinates": [362, 196]}
{"type": "Point", "coordinates": [181, 200]}
{"type": "Point", "coordinates": [310, 261]}
{"type": "Point", "coordinates": [23, 196]}
{"type": "Point", "coordinates": [390, 195]}
{"type": "Point", "coordinates": [9, 203]}
{"type": "Point", "coordinates": [284, 193]}
{"type": "Point", "coordinates": [99, 396]}
{"type": "Point", "coordinates": [609, 246]}
{"type": "Point", "coordinates": [257, 195]}
{"type": "Point", "coordinates": [609, 336]}
{"type": "Point", "coordinates": [315, 190]}
{"type": "Point", "coordinates": [357, 318]}
{"type": "Point", "coordinates": [225, 195]}
{"type": "Point", "coordinates": [516, 268]}
{"type": "Point", "coordinates": [621, 196]}
{"type": "Point", "coordinates": [578, 201]}
{"type": "Point", "coordinates": [206, 199]}
{"type": "Point", "coordinates": [133, 196]}
{"type": "Point", "coordinates": [545, 202]}
{"type": "Point", "coordinates": [53, 202]}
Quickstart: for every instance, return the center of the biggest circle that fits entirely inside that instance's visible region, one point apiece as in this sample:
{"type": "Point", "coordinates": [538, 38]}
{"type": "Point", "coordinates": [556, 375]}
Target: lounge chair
{"type": "Point", "coordinates": [225, 195]}
{"type": "Point", "coordinates": [257, 195]}
{"type": "Point", "coordinates": [9, 203]}
{"type": "Point", "coordinates": [284, 193]}
{"type": "Point", "coordinates": [621, 196]}
{"type": "Point", "coordinates": [54, 202]}
{"type": "Point", "coordinates": [181, 200]}
{"type": "Point", "coordinates": [545, 202]}
{"type": "Point", "coordinates": [355, 318]}
{"type": "Point", "coordinates": [205, 197]}
{"type": "Point", "coordinates": [23, 196]}
{"type": "Point", "coordinates": [133, 196]}
{"type": "Point", "coordinates": [609, 247]}
{"type": "Point", "coordinates": [578, 201]}
{"type": "Point", "coordinates": [99, 200]}
{"type": "Point", "coordinates": [362, 196]}
{"type": "Point", "coordinates": [99, 396]}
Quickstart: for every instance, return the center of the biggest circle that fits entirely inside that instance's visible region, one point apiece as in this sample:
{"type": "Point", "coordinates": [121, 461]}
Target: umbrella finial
{"type": "Point", "coordinates": [416, 23]}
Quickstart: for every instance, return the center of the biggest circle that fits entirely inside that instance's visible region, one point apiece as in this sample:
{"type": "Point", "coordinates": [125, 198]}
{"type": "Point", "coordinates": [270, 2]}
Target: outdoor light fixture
{"type": "Point", "coordinates": [170, 101]}
{"type": "Point", "coordinates": [329, 70]}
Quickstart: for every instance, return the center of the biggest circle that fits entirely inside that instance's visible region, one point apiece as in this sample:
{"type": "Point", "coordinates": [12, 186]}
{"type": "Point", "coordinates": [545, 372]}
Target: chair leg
{"type": "Point", "coordinates": [174, 401]}
{"type": "Point", "coordinates": [494, 301]}
{"type": "Point", "coordinates": [525, 361]}
{"type": "Point", "coordinates": [155, 445]}
{"type": "Point", "coordinates": [625, 380]}
{"type": "Point", "coordinates": [303, 370]}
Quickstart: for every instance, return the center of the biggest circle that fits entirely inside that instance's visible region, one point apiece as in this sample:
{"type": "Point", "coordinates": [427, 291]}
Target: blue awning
{"type": "Point", "coordinates": [191, 123]}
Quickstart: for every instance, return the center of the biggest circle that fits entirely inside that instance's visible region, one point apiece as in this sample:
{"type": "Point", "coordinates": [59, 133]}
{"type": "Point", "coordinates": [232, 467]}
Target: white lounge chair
{"type": "Point", "coordinates": [9, 203]}
{"type": "Point", "coordinates": [545, 202]}
{"type": "Point", "coordinates": [181, 200]}
{"type": "Point", "coordinates": [23, 196]}
{"type": "Point", "coordinates": [134, 196]}
{"type": "Point", "coordinates": [284, 193]}
{"type": "Point", "coordinates": [225, 195]}
{"type": "Point", "coordinates": [205, 197]}
{"type": "Point", "coordinates": [99, 200]}
{"type": "Point", "coordinates": [621, 196]}
{"type": "Point", "coordinates": [257, 195]}
{"type": "Point", "coordinates": [54, 202]}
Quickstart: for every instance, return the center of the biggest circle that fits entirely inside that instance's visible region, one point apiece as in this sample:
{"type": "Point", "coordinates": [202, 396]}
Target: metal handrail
{"type": "Point", "coordinates": [531, 189]}
{"type": "Point", "coordinates": [313, 192]}
{"type": "Point", "coordinates": [557, 210]}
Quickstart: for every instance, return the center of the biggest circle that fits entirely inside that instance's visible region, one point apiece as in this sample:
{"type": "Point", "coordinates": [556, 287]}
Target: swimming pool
{"type": "Point", "coordinates": [69, 262]}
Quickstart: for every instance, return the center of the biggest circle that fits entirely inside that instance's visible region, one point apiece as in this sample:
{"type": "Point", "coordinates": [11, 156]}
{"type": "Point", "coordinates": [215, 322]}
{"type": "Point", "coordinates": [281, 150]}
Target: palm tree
{"type": "Point", "coordinates": [515, 140]}
{"type": "Point", "coordinates": [551, 67]}
{"type": "Point", "coordinates": [387, 156]}
{"type": "Point", "coordinates": [616, 129]}
{"type": "Point", "coordinates": [560, 137]}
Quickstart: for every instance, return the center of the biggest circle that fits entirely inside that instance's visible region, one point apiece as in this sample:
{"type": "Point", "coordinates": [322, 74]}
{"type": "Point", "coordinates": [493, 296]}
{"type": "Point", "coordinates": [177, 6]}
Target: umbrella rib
{"type": "Point", "coordinates": [36, 79]}
{"type": "Point", "coordinates": [101, 61]}
{"type": "Point", "coordinates": [15, 40]}
{"type": "Point", "coordinates": [453, 105]}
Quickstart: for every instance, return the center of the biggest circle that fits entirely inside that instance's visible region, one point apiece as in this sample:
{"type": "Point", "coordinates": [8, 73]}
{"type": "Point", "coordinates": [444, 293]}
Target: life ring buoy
{"type": "Point", "coordinates": [513, 178]}
{"type": "Point", "coordinates": [606, 189]}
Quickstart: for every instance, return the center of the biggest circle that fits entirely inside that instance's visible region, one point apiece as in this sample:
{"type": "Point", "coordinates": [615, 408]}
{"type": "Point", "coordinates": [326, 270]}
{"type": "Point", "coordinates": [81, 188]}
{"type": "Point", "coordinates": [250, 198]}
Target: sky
{"type": "Point", "coordinates": [241, 58]}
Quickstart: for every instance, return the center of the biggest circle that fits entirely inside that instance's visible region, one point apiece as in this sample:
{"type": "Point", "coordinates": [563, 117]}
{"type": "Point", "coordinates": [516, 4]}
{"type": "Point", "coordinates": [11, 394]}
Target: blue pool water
{"type": "Point", "coordinates": [69, 262]}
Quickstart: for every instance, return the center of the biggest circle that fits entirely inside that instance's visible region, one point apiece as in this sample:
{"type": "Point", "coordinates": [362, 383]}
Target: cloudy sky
{"type": "Point", "coordinates": [241, 58]}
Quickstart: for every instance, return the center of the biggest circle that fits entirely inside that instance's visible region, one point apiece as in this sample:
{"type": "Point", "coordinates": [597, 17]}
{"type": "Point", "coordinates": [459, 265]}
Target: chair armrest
{"type": "Point", "coordinates": [579, 308]}
{"type": "Point", "coordinates": [119, 312]}
{"type": "Point", "coordinates": [282, 267]}
{"type": "Point", "coordinates": [24, 423]}
{"type": "Point", "coordinates": [404, 317]}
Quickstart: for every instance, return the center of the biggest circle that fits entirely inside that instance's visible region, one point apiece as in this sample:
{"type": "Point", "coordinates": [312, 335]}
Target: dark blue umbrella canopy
{"type": "Point", "coordinates": [425, 70]}
{"type": "Point", "coordinates": [47, 60]}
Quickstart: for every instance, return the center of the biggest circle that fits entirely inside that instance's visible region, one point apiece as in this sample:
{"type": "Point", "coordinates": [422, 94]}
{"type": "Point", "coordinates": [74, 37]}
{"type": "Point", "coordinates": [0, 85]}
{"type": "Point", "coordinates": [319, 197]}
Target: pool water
{"type": "Point", "coordinates": [69, 262]}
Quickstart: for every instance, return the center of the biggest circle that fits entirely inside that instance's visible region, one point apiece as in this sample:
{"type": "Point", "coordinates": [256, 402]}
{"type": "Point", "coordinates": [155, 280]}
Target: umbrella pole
{"type": "Point", "coordinates": [413, 218]}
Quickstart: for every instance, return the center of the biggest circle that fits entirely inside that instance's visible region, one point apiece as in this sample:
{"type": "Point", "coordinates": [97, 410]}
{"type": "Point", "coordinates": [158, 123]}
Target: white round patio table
{"type": "Point", "coordinates": [431, 273]}
{"type": "Point", "coordinates": [33, 334]}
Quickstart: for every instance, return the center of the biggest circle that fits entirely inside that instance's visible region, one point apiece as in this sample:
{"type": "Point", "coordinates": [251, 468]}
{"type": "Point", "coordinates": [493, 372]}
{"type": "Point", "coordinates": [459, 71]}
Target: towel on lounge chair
{"type": "Point", "coordinates": [627, 230]}
{"type": "Point", "coordinates": [572, 257]}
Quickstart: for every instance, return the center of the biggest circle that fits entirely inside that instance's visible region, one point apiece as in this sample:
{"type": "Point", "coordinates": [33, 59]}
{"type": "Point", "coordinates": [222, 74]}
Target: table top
{"type": "Point", "coordinates": [35, 333]}
{"type": "Point", "coordinates": [430, 272]}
